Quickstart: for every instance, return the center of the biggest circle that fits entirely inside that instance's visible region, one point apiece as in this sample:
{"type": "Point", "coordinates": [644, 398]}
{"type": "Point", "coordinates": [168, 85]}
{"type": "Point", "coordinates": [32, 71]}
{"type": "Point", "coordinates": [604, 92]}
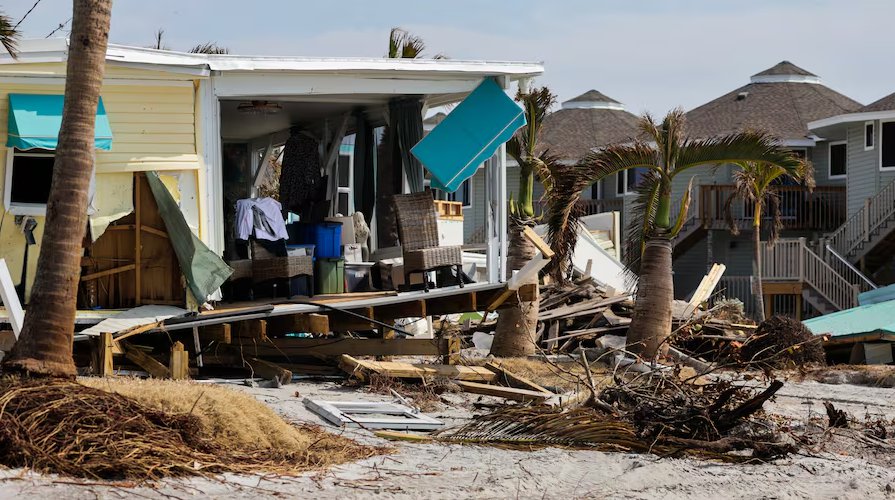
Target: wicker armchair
{"type": "Point", "coordinates": [267, 267]}
{"type": "Point", "coordinates": [418, 232]}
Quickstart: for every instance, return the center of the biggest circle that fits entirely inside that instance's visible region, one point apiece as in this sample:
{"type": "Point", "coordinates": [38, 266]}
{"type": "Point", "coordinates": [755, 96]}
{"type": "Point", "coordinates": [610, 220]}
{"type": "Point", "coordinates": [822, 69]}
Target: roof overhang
{"type": "Point", "coordinates": [833, 121]}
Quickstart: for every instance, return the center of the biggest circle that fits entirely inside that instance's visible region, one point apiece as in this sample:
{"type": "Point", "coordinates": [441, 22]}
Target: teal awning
{"type": "Point", "coordinates": [469, 135]}
{"type": "Point", "coordinates": [34, 121]}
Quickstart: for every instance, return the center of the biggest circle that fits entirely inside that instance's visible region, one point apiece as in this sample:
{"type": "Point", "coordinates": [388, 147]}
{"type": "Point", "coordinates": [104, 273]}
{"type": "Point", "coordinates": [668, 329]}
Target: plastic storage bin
{"type": "Point", "coordinates": [329, 273]}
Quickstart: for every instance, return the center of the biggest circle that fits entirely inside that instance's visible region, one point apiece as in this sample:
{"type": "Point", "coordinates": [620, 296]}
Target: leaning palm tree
{"type": "Point", "coordinates": [756, 184]}
{"type": "Point", "coordinates": [516, 324]}
{"type": "Point", "coordinates": [668, 154]}
{"type": "Point", "coordinates": [44, 347]}
{"type": "Point", "coordinates": [9, 36]}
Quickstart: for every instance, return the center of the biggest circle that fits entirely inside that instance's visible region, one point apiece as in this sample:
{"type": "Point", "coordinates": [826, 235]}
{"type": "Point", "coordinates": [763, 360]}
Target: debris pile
{"type": "Point", "coordinates": [782, 342]}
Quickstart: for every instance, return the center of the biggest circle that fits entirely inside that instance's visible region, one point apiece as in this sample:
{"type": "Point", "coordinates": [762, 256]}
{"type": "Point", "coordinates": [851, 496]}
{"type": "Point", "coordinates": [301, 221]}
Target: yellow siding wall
{"type": "Point", "coordinates": [153, 128]}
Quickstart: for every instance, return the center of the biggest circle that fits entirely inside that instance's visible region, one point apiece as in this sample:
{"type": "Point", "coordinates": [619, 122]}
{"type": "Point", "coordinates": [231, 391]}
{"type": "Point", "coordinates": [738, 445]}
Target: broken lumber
{"type": "Point", "coordinates": [179, 364]}
{"type": "Point", "coordinates": [152, 366]}
{"type": "Point", "coordinates": [361, 369]}
{"type": "Point", "coordinates": [513, 380]}
{"type": "Point", "coordinates": [268, 370]}
{"type": "Point", "coordinates": [522, 395]}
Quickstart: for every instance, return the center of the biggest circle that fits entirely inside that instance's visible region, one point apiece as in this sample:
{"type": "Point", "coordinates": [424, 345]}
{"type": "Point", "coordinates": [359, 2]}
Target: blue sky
{"type": "Point", "coordinates": [650, 54]}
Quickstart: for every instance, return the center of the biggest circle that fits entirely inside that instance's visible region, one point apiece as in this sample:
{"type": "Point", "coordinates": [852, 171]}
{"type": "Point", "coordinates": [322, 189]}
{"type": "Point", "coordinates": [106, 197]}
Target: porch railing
{"type": "Point", "coordinates": [738, 287]}
{"type": "Point", "coordinates": [858, 228]}
{"type": "Point", "coordinates": [823, 209]}
{"type": "Point", "coordinates": [791, 259]}
{"type": "Point", "coordinates": [588, 207]}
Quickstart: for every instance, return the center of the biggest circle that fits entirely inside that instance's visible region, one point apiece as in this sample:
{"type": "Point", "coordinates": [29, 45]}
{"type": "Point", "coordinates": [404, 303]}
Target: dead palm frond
{"type": "Point", "coordinates": [523, 146]}
{"type": "Point", "coordinates": [159, 35]}
{"type": "Point", "coordinates": [664, 152]}
{"type": "Point", "coordinates": [404, 45]}
{"type": "Point", "coordinates": [9, 35]}
{"type": "Point", "coordinates": [209, 48]}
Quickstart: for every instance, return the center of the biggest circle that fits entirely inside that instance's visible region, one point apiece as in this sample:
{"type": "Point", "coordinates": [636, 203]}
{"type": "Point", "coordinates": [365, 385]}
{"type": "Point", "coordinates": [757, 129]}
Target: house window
{"type": "Point", "coordinates": [626, 181]}
{"type": "Point", "coordinates": [463, 194]}
{"type": "Point", "coordinates": [28, 177]}
{"type": "Point", "coordinates": [868, 136]}
{"type": "Point", "coordinates": [887, 145]}
{"type": "Point", "coordinates": [345, 174]}
{"type": "Point", "coordinates": [838, 161]}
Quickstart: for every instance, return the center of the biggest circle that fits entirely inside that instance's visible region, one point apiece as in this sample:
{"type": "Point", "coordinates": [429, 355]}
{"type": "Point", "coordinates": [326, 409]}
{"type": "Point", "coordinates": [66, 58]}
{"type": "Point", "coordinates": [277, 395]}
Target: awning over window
{"type": "Point", "coordinates": [469, 135]}
{"type": "Point", "coordinates": [34, 121]}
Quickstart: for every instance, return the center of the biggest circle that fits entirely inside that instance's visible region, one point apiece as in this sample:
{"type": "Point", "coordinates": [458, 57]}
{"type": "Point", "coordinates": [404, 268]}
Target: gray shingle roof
{"type": "Point", "coordinates": [572, 133]}
{"type": "Point", "coordinates": [593, 96]}
{"type": "Point", "coordinates": [885, 104]}
{"type": "Point", "coordinates": [782, 108]}
{"type": "Point", "coordinates": [785, 68]}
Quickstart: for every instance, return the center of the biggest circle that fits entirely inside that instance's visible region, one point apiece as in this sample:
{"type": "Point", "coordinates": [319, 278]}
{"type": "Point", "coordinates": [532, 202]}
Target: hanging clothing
{"type": "Point", "coordinates": [261, 217]}
{"type": "Point", "coordinates": [300, 171]}
{"type": "Point", "coordinates": [405, 116]}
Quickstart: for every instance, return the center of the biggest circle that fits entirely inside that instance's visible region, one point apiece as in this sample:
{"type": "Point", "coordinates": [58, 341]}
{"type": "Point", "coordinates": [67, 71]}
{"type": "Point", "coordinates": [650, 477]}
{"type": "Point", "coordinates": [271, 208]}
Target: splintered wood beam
{"type": "Point", "coordinates": [179, 363]}
{"type": "Point", "coordinates": [140, 358]}
{"type": "Point", "coordinates": [538, 242]}
{"type": "Point", "coordinates": [220, 333]}
{"type": "Point", "coordinates": [522, 395]}
{"type": "Point", "coordinates": [268, 370]}
{"type": "Point", "coordinates": [359, 368]}
{"type": "Point", "coordinates": [513, 380]}
{"type": "Point", "coordinates": [137, 330]}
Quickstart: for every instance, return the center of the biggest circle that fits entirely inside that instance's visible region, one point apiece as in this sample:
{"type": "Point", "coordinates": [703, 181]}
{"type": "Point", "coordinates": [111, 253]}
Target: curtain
{"type": "Point", "coordinates": [364, 175]}
{"type": "Point", "coordinates": [300, 174]}
{"type": "Point", "coordinates": [406, 121]}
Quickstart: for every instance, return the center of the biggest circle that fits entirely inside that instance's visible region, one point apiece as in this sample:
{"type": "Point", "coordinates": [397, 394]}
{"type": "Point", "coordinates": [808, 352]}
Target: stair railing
{"type": "Point", "coordinates": [792, 259]}
{"type": "Point", "coordinates": [858, 228]}
{"type": "Point", "coordinates": [847, 270]}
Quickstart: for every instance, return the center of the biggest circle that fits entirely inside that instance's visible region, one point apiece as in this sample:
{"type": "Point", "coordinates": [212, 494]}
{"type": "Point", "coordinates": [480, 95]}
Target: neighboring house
{"type": "Point", "coordinates": [781, 100]}
{"type": "Point", "coordinates": [210, 123]}
{"type": "Point", "coordinates": [865, 140]}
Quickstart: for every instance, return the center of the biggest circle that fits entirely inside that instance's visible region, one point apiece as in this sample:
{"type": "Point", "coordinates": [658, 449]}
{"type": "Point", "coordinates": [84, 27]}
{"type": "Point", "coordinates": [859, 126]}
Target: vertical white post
{"type": "Point", "coordinates": [501, 210]}
{"type": "Point", "coordinates": [10, 299]}
{"type": "Point", "coordinates": [210, 130]}
{"type": "Point", "coordinates": [493, 246]}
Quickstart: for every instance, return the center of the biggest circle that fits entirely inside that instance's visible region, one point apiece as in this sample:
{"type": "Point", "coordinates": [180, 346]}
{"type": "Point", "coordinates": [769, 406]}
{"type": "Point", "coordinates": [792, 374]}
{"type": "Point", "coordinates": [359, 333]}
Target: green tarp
{"type": "Point", "coordinates": [203, 269]}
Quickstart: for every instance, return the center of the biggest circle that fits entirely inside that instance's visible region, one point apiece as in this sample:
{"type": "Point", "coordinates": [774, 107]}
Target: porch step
{"type": "Point", "coordinates": [818, 301]}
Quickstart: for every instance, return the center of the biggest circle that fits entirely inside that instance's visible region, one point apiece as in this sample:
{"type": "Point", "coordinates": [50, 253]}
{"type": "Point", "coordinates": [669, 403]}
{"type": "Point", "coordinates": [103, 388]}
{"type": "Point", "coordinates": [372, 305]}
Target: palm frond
{"type": "Point", "coordinates": [615, 158]}
{"type": "Point", "coordinates": [9, 35]}
{"type": "Point", "coordinates": [561, 215]}
{"type": "Point", "coordinates": [738, 147]}
{"type": "Point", "coordinates": [403, 45]}
{"type": "Point", "coordinates": [209, 48]}
{"type": "Point", "coordinates": [642, 220]}
{"type": "Point", "coordinates": [773, 206]}
{"type": "Point", "coordinates": [683, 210]}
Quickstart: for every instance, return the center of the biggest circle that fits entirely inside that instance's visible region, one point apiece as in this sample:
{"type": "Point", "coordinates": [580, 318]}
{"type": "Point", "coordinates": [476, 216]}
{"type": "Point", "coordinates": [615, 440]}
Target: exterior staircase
{"type": "Point", "coordinates": [869, 234]}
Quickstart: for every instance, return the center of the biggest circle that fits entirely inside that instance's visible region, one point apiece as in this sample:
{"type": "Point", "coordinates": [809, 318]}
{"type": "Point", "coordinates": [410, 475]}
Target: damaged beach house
{"type": "Point", "coordinates": [247, 211]}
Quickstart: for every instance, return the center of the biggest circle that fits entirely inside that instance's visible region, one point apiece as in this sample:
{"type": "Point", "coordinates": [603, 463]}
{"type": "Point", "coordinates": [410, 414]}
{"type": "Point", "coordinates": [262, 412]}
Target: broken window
{"type": "Point", "coordinates": [28, 177]}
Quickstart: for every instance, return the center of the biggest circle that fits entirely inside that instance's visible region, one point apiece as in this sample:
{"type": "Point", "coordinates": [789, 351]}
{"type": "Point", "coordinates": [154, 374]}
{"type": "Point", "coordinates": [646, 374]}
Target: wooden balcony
{"type": "Point", "coordinates": [823, 209]}
{"type": "Point", "coordinates": [588, 207]}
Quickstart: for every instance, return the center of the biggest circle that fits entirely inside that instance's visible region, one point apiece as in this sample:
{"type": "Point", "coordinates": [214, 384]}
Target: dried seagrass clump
{"type": "Point", "coordinates": [781, 342]}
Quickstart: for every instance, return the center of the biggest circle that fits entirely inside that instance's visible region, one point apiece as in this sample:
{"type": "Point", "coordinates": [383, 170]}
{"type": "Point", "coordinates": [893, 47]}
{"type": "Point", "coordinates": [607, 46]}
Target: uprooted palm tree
{"type": "Point", "coordinates": [668, 154]}
{"type": "Point", "coordinates": [516, 324]}
{"type": "Point", "coordinates": [756, 183]}
{"type": "Point", "coordinates": [44, 347]}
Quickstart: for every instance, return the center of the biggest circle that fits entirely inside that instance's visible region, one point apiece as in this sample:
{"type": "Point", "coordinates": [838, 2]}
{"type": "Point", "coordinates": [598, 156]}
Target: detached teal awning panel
{"type": "Point", "coordinates": [878, 317]}
{"type": "Point", "coordinates": [34, 121]}
{"type": "Point", "coordinates": [204, 271]}
{"type": "Point", "coordinates": [469, 135]}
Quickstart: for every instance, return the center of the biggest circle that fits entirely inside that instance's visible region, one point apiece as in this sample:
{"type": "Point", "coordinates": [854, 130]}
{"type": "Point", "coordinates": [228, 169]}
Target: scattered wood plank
{"type": "Point", "coordinates": [402, 436]}
{"type": "Point", "coordinates": [333, 347]}
{"type": "Point", "coordinates": [523, 395]}
{"type": "Point", "coordinates": [452, 356]}
{"type": "Point", "coordinates": [513, 380]}
{"type": "Point", "coordinates": [149, 364]}
{"type": "Point", "coordinates": [705, 289]}
{"type": "Point", "coordinates": [362, 368]}
{"type": "Point", "coordinates": [268, 370]}
{"type": "Point", "coordinates": [538, 242]}
{"type": "Point", "coordinates": [106, 366]}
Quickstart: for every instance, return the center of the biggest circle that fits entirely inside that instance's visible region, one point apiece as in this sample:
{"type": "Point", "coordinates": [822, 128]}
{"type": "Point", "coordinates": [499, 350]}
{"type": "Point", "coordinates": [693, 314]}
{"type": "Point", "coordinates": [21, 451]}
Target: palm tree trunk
{"type": "Point", "coordinates": [517, 324]}
{"type": "Point", "coordinates": [757, 287]}
{"type": "Point", "coordinates": [651, 322]}
{"type": "Point", "coordinates": [44, 347]}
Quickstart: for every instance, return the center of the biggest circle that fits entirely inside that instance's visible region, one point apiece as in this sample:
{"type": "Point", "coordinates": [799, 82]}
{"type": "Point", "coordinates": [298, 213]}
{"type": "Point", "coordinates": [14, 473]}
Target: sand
{"type": "Point", "coordinates": [841, 470]}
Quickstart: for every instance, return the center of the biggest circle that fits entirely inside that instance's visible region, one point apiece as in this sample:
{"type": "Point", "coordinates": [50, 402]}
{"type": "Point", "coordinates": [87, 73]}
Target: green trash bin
{"type": "Point", "coordinates": [329, 274]}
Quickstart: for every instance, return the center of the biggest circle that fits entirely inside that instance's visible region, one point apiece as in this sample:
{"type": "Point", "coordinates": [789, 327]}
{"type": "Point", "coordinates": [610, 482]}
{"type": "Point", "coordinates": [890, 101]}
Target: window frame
{"type": "Point", "coordinates": [625, 184]}
{"type": "Point", "coordinates": [830, 160]}
{"type": "Point", "coordinates": [872, 135]}
{"type": "Point", "coordinates": [882, 143]}
{"type": "Point", "coordinates": [32, 209]}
